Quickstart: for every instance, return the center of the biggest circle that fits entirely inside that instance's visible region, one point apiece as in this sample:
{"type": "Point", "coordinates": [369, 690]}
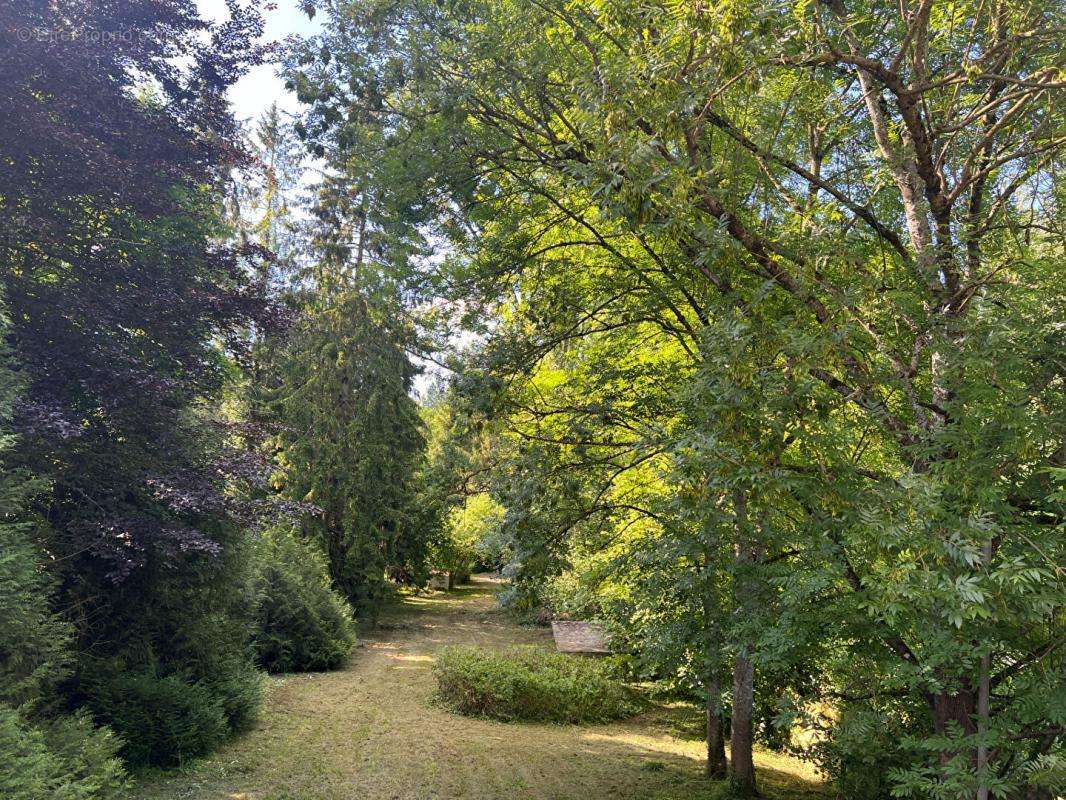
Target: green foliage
{"type": "Point", "coordinates": [470, 538]}
{"type": "Point", "coordinates": [238, 686]}
{"type": "Point", "coordinates": [162, 720]}
{"type": "Point", "coordinates": [66, 759]}
{"type": "Point", "coordinates": [530, 684]}
{"type": "Point", "coordinates": [44, 753]}
{"type": "Point", "coordinates": [859, 754]}
{"type": "Point", "coordinates": [261, 204]}
{"type": "Point", "coordinates": [34, 643]}
{"type": "Point", "coordinates": [302, 624]}
{"type": "Point", "coordinates": [178, 700]}
{"type": "Point", "coordinates": [353, 445]}
{"type": "Point", "coordinates": [182, 678]}
{"type": "Point", "coordinates": [771, 370]}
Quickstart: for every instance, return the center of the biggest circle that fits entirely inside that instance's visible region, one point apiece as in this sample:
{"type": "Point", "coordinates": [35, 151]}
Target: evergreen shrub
{"type": "Point", "coordinates": [164, 720]}
{"type": "Point", "coordinates": [62, 759]}
{"type": "Point", "coordinates": [303, 624]}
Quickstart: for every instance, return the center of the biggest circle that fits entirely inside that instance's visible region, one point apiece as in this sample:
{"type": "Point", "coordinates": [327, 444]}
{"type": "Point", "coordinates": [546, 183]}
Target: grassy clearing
{"type": "Point", "coordinates": [373, 732]}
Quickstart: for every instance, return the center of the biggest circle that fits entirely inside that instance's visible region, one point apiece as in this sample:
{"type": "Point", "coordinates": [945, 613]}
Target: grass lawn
{"type": "Point", "coordinates": [371, 732]}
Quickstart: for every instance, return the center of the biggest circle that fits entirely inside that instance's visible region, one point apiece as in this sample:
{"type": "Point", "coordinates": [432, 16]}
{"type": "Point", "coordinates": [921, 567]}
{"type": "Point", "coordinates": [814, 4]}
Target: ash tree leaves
{"type": "Point", "coordinates": [837, 225]}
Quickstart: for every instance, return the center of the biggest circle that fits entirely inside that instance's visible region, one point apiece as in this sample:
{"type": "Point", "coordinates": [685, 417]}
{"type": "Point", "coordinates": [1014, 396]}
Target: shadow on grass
{"type": "Point", "coordinates": [372, 731]}
{"type": "Point", "coordinates": [518, 761]}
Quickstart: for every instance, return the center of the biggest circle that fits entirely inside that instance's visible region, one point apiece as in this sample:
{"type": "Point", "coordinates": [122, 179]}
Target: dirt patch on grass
{"type": "Point", "coordinates": [372, 732]}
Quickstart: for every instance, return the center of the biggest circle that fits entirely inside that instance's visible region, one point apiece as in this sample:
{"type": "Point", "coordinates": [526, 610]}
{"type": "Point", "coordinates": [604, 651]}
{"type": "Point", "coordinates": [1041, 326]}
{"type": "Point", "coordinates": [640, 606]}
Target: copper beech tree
{"type": "Point", "coordinates": [127, 303]}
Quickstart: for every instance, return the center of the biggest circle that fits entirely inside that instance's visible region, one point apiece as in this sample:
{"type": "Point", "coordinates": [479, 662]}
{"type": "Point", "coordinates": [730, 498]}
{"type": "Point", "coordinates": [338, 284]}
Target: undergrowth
{"type": "Point", "coordinates": [530, 684]}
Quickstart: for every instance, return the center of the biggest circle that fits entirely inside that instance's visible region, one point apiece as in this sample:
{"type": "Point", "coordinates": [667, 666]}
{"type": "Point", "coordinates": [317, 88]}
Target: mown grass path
{"type": "Point", "coordinates": [372, 732]}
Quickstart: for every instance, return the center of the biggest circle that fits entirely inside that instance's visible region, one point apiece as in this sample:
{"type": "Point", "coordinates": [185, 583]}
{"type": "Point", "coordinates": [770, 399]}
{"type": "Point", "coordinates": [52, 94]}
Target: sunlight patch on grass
{"type": "Point", "coordinates": [653, 742]}
{"type": "Point", "coordinates": [373, 731]}
{"type": "Point", "coordinates": [422, 659]}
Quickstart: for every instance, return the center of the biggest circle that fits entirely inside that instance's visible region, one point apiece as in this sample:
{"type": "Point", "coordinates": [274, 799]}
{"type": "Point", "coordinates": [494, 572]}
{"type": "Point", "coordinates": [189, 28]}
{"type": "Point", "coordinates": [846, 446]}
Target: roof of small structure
{"type": "Point", "coordinates": [580, 637]}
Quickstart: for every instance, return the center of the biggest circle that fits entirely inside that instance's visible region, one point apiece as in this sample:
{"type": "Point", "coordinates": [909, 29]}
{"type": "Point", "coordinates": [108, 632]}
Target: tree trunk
{"type": "Point", "coordinates": [982, 728]}
{"type": "Point", "coordinates": [958, 708]}
{"type": "Point", "coordinates": [742, 764]}
{"type": "Point", "coordinates": [983, 696]}
{"type": "Point", "coordinates": [1038, 793]}
{"type": "Point", "coordinates": [717, 767]}
{"type": "Point", "coordinates": [955, 708]}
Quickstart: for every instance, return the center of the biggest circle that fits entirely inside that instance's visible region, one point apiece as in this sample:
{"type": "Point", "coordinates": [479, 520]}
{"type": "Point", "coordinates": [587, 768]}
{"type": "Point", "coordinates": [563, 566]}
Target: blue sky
{"type": "Point", "coordinates": [261, 86]}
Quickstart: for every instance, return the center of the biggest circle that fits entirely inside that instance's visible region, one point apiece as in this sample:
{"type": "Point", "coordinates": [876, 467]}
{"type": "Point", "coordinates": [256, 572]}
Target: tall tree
{"type": "Point", "coordinates": [865, 200]}
{"type": "Point", "coordinates": [352, 443]}
{"type": "Point", "coordinates": [266, 196]}
{"type": "Point", "coordinates": [123, 296]}
{"type": "Point", "coordinates": [46, 751]}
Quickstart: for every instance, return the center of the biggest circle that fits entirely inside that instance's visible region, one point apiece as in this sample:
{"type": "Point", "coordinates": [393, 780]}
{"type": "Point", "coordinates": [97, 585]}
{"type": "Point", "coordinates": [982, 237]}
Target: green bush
{"type": "Point", "coordinates": [66, 759]}
{"type": "Point", "coordinates": [163, 720]}
{"type": "Point", "coordinates": [44, 752]}
{"type": "Point", "coordinates": [34, 643]}
{"type": "Point", "coordinates": [303, 624]}
{"type": "Point", "coordinates": [860, 752]}
{"type": "Point", "coordinates": [238, 686]}
{"type": "Point", "coordinates": [530, 683]}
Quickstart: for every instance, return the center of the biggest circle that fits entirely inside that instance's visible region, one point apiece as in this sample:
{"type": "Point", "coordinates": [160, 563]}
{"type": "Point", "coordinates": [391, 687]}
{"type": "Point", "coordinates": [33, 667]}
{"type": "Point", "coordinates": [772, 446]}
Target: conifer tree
{"type": "Point", "coordinates": [352, 443]}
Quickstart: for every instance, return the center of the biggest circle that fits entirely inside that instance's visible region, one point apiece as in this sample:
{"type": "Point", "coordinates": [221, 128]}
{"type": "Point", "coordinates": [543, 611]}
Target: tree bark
{"type": "Point", "coordinates": [717, 766]}
{"type": "Point", "coordinates": [955, 708]}
{"type": "Point", "coordinates": [742, 764]}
